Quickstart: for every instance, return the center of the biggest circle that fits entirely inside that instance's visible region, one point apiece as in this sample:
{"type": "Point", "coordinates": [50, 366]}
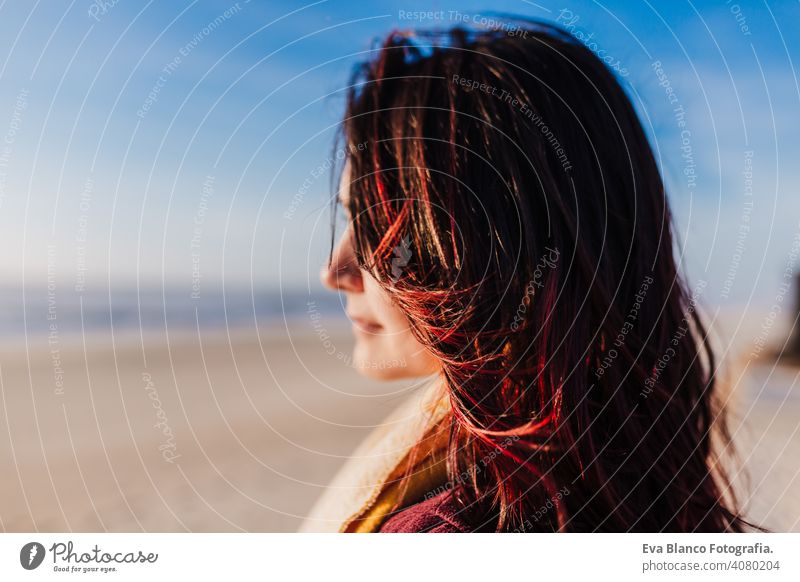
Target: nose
{"type": "Point", "coordinates": [343, 272]}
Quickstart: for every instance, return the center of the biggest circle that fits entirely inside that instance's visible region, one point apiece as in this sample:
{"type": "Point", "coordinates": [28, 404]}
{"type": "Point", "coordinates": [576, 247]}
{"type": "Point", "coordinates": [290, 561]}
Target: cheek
{"type": "Point", "coordinates": [395, 348]}
{"type": "Point", "coordinates": [386, 312]}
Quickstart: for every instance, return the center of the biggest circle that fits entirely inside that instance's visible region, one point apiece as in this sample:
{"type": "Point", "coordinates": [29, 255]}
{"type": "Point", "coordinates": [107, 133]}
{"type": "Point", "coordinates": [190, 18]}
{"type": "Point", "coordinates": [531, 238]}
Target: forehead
{"type": "Point", "coordinates": [344, 185]}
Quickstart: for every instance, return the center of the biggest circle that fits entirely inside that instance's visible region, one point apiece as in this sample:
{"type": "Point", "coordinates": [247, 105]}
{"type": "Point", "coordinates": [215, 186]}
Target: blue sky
{"type": "Point", "coordinates": [119, 113]}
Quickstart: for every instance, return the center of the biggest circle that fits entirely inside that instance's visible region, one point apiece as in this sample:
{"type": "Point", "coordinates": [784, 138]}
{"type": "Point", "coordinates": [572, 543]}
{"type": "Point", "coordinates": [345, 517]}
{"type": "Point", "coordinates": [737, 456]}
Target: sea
{"type": "Point", "coordinates": [38, 311]}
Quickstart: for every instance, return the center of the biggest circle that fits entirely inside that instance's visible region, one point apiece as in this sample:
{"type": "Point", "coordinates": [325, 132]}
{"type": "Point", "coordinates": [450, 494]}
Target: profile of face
{"type": "Point", "coordinates": [385, 346]}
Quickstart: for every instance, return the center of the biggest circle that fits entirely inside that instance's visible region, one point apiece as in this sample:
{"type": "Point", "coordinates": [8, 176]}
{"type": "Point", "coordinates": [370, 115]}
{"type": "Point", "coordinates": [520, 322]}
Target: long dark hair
{"type": "Point", "coordinates": [510, 167]}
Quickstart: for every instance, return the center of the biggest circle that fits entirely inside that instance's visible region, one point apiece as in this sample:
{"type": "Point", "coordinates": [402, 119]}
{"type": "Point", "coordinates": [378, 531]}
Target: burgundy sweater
{"type": "Point", "coordinates": [440, 514]}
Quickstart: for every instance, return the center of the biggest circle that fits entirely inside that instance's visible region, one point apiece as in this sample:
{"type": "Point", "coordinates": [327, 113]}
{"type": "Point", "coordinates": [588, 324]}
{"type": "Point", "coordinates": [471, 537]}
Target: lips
{"type": "Point", "coordinates": [365, 325]}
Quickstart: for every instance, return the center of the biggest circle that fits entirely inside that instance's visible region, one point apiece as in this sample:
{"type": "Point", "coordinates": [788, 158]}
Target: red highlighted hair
{"type": "Point", "coordinates": [515, 171]}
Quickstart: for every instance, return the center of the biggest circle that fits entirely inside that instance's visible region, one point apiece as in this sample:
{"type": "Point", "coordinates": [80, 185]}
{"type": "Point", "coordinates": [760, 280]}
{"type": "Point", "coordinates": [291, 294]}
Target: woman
{"type": "Point", "coordinates": [509, 234]}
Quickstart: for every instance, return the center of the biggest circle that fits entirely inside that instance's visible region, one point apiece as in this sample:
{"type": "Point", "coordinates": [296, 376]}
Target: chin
{"type": "Point", "coordinates": [379, 374]}
{"type": "Point", "coordinates": [378, 367]}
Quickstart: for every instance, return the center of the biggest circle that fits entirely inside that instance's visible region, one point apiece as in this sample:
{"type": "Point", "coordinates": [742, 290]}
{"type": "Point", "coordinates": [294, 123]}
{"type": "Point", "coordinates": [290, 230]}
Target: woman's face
{"type": "Point", "coordinates": [385, 347]}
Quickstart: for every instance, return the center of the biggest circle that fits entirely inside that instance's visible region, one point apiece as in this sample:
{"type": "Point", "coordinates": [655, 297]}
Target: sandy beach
{"type": "Point", "coordinates": [763, 397]}
{"type": "Point", "coordinates": [211, 433]}
{"type": "Point", "coordinates": [232, 431]}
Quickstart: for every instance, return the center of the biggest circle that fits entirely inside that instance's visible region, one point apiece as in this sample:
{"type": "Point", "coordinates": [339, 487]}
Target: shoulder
{"type": "Point", "coordinates": [440, 514]}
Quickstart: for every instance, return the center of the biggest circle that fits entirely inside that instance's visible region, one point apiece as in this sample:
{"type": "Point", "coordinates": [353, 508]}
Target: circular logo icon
{"type": "Point", "coordinates": [31, 555]}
